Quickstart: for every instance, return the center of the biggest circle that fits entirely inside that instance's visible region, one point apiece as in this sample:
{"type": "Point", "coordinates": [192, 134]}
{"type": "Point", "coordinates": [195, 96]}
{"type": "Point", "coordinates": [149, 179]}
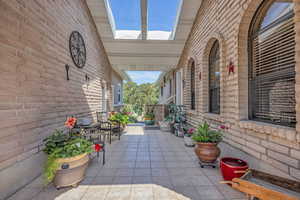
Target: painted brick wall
{"type": "Point", "coordinates": [228, 22]}
{"type": "Point", "coordinates": [35, 96]}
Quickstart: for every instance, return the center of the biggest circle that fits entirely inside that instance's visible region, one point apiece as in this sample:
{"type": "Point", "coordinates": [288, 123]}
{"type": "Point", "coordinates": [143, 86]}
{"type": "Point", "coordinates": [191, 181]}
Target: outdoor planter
{"type": "Point", "coordinates": [207, 140]}
{"type": "Point", "coordinates": [67, 156]}
{"type": "Point", "coordinates": [232, 168]}
{"type": "Point", "coordinates": [164, 126]}
{"type": "Point", "coordinates": [71, 170]}
{"type": "Point", "coordinates": [149, 122]}
{"type": "Point", "coordinates": [188, 141]}
{"type": "Point", "coordinates": [178, 131]}
{"type": "Point", "coordinates": [207, 152]}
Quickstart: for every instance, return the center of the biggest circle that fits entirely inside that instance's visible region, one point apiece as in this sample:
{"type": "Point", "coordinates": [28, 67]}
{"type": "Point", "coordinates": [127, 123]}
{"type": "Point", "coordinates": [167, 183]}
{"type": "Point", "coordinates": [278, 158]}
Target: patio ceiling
{"type": "Point", "coordinates": [140, 53]}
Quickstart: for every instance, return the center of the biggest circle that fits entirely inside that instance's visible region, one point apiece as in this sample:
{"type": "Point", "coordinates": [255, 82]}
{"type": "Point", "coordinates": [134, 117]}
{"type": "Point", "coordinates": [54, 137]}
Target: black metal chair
{"type": "Point", "coordinates": [108, 127]}
{"type": "Point", "coordinates": [93, 135]}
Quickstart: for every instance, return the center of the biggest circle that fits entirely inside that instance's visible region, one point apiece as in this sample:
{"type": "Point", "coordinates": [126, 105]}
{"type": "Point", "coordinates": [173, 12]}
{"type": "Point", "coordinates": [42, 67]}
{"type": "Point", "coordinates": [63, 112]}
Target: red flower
{"type": "Point", "coordinates": [71, 121]}
{"type": "Point", "coordinates": [223, 127]}
{"type": "Point", "coordinates": [98, 147]}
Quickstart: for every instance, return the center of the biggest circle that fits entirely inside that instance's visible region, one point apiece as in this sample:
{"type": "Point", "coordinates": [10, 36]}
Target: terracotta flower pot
{"type": "Point", "coordinates": [207, 152]}
{"type": "Point", "coordinates": [71, 170]}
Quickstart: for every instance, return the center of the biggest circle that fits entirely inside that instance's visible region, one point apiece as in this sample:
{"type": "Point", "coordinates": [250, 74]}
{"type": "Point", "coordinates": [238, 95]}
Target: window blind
{"type": "Point", "coordinates": [272, 75]}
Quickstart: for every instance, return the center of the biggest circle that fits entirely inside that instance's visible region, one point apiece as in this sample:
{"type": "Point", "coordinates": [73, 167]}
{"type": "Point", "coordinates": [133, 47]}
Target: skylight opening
{"type": "Point", "coordinates": [162, 19]}
{"type": "Point", "coordinates": [126, 22]}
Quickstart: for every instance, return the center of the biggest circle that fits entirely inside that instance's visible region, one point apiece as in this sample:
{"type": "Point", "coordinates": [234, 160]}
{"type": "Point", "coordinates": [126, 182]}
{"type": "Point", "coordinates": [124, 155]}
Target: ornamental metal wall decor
{"type": "Point", "coordinates": [77, 49]}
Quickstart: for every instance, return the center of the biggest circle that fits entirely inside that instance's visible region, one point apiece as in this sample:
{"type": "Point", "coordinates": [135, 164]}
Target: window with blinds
{"type": "Point", "coordinates": [214, 79]}
{"type": "Point", "coordinates": [272, 64]}
{"type": "Point", "coordinates": [192, 78]}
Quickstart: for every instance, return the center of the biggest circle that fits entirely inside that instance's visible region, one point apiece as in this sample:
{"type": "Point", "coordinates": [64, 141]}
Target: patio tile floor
{"type": "Point", "coordinates": [143, 165]}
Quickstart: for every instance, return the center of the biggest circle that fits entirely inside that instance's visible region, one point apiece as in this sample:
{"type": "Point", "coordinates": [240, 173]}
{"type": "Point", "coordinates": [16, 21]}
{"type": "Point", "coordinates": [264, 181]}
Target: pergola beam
{"type": "Point", "coordinates": [144, 16]}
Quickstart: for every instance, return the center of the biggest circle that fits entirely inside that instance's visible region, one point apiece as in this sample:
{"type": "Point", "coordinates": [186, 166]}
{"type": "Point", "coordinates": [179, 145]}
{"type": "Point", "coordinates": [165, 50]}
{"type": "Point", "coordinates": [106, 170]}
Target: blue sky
{"type": "Point", "coordinates": [143, 76]}
{"type": "Point", "coordinates": [161, 14]}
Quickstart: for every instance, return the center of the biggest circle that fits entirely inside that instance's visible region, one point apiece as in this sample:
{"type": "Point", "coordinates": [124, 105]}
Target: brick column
{"type": "Point", "coordinates": [297, 68]}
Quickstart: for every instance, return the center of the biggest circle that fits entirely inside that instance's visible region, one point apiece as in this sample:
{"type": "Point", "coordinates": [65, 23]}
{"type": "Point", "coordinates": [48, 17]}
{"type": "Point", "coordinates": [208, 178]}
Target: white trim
{"type": "Point", "coordinates": [173, 33]}
{"type": "Point", "coordinates": [111, 18]}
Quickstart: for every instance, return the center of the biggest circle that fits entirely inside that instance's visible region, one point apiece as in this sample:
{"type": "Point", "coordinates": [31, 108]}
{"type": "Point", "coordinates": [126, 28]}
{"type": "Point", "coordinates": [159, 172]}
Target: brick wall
{"type": "Point", "coordinates": [35, 96]}
{"type": "Point", "coordinates": [228, 22]}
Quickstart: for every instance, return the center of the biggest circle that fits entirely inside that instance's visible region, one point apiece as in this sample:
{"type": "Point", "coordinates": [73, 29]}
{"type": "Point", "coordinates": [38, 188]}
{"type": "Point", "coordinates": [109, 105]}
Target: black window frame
{"type": "Point", "coordinates": [214, 86]}
{"type": "Point", "coordinates": [192, 84]}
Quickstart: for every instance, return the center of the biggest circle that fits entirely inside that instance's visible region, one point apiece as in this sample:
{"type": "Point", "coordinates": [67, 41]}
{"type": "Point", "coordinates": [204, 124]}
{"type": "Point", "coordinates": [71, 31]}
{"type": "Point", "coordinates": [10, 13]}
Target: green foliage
{"type": "Point", "coordinates": [57, 140]}
{"type": "Point", "coordinates": [176, 114]}
{"type": "Point", "coordinates": [169, 118]}
{"type": "Point", "coordinates": [120, 117]}
{"type": "Point", "coordinates": [128, 110]}
{"type": "Point", "coordinates": [205, 134]}
{"type": "Point", "coordinates": [149, 115]}
{"type": "Point", "coordinates": [60, 145]}
{"type": "Point", "coordinates": [138, 96]}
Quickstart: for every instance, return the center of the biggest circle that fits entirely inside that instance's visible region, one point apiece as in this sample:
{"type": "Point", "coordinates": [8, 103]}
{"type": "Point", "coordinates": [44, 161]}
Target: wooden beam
{"type": "Point", "coordinates": [144, 16]}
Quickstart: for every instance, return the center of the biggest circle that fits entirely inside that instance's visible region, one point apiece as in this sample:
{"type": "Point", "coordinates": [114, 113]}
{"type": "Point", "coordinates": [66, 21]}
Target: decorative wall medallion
{"type": "Point", "coordinates": [77, 49]}
{"type": "Point", "coordinates": [230, 68]}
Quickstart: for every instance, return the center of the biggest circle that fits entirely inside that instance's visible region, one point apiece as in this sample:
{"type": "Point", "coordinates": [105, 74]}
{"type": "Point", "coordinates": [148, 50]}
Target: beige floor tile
{"type": "Point", "coordinates": [142, 193]}
{"type": "Point", "coordinates": [96, 192]}
{"type": "Point", "coordinates": [119, 193]}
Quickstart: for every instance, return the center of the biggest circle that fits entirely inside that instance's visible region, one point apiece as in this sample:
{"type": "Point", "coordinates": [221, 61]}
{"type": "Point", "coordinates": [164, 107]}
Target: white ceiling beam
{"type": "Point", "coordinates": [144, 20]}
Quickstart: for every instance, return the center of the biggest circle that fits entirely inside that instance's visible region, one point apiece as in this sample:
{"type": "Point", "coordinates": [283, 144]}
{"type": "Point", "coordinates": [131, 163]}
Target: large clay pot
{"type": "Point", "coordinates": [71, 170]}
{"type": "Point", "coordinates": [207, 152]}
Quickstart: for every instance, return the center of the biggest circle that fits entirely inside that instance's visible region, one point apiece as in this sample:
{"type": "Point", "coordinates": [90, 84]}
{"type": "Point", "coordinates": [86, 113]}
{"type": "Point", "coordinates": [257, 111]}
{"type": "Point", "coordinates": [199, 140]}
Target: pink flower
{"type": "Point", "coordinates": [191, 131]}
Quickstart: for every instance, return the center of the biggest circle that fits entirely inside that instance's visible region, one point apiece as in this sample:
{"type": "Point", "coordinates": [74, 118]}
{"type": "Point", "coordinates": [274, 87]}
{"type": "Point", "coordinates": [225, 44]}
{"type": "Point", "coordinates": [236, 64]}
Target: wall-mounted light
{"type": "Point", "coordinates": [87, 80]}
{"type": "Point", "coordinates": [67, 67]}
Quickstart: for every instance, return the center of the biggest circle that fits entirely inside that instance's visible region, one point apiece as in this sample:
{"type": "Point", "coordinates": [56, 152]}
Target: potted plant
{"type": "Point", "coordinates": [207, 140]}
{"type": "Point", "coordinates": [188, 137]}
{"type": "Point", "coordinates": [68, 157]}
{"type": "Point", "coordinates": [166, 124]}
{"type": "Point", "coordinates": [123, 119]}
{"type": "Point", "coordinates": [149, 118]}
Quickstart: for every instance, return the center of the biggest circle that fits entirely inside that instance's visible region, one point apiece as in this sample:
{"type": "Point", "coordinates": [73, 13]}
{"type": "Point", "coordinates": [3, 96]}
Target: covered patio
{"type": "Point", "coordinates": [144, 164]}
{"type": "Point", "coordinates": [231, 64]}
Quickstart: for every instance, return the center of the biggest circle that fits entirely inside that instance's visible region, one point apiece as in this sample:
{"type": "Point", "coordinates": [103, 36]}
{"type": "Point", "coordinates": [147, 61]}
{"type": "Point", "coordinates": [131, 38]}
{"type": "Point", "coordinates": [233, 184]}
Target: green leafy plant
{"type": "Point", "coordinates": [169, 118]}
{"type": "Point", "coordinates": [123, 119]}
{"type": "Point", "coordinates": [206, 135]}
{"type": "Point", "coordinates": [149, 115]}
{"type": "Point", "coordinates": [57, 140]}
{"type": "Point", "coordinates": [60, 145]}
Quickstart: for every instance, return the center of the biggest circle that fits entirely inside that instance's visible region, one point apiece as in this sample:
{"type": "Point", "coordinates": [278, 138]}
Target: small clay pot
{"type": "Point", "coordinates": [207, 152]}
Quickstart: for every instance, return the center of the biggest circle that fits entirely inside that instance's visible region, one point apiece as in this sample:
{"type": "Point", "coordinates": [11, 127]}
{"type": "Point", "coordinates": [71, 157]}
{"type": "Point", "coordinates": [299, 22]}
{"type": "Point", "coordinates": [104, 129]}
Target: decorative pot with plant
{"type": "Point", "coordinates": [68, 157]}
{"type": "Point", "coordinates": [188, 137]}
{"type": "Point", "coordinates": [149, 118]}
{"type": "Point", "coordinates": [121, 118]}
{"type": "Point", "coordinates": [207, 141]}
{"type": "Point", "coordinates": [166, 124]}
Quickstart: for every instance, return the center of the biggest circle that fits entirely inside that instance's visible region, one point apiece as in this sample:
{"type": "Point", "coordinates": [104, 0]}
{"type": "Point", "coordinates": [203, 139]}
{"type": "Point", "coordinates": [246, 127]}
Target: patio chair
{"type": "Point", "coordinates": [108, 127]}
{"type": "Point", "coordinates": [93, 135]}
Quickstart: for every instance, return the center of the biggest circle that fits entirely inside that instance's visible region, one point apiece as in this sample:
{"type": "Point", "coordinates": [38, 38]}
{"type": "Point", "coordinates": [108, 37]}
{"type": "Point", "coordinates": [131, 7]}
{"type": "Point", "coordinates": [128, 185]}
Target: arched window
{"type": "Point", "coordinates": [272, 64]}
{"type": "Point", "coordinates": [192, 78]}
{"type": "Point", "coordinates": [214, 79]}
